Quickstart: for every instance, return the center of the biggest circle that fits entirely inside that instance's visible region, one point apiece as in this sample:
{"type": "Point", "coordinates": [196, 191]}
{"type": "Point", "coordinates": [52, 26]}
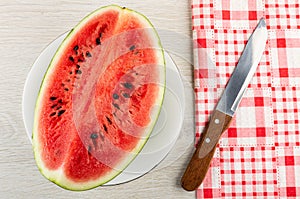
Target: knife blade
{"type": "Point", "coordinates": [225, 109]}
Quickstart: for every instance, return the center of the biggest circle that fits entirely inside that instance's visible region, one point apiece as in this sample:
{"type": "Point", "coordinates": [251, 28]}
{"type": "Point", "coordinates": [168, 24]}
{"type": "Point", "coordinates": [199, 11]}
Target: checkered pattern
{"type": "Point", "coordinates": [203, 14]}
{"type": "Point", "coordinates": [206, 99]}
{"type": "Point", "coordinates": [215, 60]}
{"type": "Point", "coordinates": [247, 172]}
{"type": "Point", "coordinates": [211, 187]}
{"type": "Point", "coordinates": [285, 51]}
{"type": "Point", "coordinates": [253, 122]}
{"type": "Point", "coordinates": [204, 56]}
{"type": "Point", "coordinates": [259, 155]}
{"type": "Point", "coordinates": [237, 14]}
{"type": "Point", "coordinates": [286, 109]}
{"type": "Point", "coordinates": [288, 171]}
{"type": "Point", "coordinates": [282, 14]}
{"type": "Point", "coordinates": [228, 49]}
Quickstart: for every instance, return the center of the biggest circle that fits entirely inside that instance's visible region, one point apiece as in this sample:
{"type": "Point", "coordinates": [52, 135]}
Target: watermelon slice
{"type": "Point", "coordinates": [99, 99]}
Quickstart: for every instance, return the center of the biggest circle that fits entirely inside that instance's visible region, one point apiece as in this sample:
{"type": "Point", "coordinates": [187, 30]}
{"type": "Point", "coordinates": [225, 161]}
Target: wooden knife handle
{"type": "Point", "coordinates": [200, 162]}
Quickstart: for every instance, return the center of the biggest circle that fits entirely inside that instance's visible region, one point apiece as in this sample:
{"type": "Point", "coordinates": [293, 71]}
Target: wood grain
{"type": "Point", "coordinates": [200, 161]}
{"type": "Point", "coordinates": [26, 28]}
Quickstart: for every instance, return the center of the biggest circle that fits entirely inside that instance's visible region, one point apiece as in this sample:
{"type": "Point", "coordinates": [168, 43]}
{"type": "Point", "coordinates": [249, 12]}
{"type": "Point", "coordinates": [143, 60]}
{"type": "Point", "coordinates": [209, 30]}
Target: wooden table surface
{"type": "Point", "coordinates": [26, 28]}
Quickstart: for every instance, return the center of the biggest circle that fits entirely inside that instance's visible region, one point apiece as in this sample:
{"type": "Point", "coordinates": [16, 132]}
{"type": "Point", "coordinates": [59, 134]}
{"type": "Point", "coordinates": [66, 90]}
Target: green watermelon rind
{"type": "Point", "coordinates": [140, 145]}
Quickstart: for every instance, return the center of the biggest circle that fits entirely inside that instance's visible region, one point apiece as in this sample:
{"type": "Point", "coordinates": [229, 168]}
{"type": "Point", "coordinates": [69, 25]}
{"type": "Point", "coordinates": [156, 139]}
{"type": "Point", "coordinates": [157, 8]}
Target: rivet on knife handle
{"type": "Point", "coordinates": [199, 164]}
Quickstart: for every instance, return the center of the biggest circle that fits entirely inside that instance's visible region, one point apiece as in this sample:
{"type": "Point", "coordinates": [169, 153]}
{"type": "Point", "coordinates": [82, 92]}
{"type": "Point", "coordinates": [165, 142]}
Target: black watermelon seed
{"type": "Point", "coordinates": [52, 114]}
{"type": "Point", "coordinates": [126, 95]}
{"type": "Point", "coordinates": [61, 112]}
{"type": "Point", "coordinates": [94, 136]}
{"type": "Point", "coordinates": [115, 96]}
{"type": "Point", "coordinates": [116, 106]}
{"type": "Point", "coordinates": [132, 47]}
{"type": "Point", "coordinates": [105, 128]}
{"type": "Point", "coordinates": [58, 108]}
{"type": "Point", "coordinates": [77, 66]}
{"type": "Point", "coordinates": [78, 72]}
{"type": "Point", "coordinates": [128, 85]}
{"type": "Point", "coordinates": [98, 42]}
{"type": "Point", "coordinates": [75, 47]}
{"type": "Point", "coordinates": [71, 59]}
{"type": "Point", "coordinates": [88, 54]}
{"type": "Point", "coordinates": [53, 98]}
{"type": "Point", "coordinates": [66, 89]}
{"type": "Point", "coordinates": [124, 7]}
{"type": "Point", "coordinates": [71, 72]}
{"type": "Point", "coordinates": [60, 101]}
{"type": "Point", "coordinates": [53, 106]}
{"type": "Point", "coordinates": [108, 119]}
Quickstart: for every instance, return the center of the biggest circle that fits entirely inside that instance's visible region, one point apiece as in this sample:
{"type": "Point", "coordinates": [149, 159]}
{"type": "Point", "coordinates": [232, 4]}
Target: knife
{"type": "Point", "coordinates": [225, 109]}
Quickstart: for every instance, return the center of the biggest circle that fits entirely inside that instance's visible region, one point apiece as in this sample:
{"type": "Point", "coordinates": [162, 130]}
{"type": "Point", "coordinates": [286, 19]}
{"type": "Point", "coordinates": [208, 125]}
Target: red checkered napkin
{"type": "Point", "coordinates": [259, 155]}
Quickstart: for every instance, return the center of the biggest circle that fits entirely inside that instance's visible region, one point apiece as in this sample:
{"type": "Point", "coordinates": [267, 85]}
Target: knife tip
{"type": "Point", "coordinates": [262, 23]}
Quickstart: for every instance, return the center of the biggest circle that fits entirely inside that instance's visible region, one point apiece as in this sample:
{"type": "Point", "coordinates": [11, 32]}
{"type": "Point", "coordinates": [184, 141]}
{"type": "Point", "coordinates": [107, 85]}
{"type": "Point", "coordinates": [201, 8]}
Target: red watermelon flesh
{"type": "Point", "coordinates": [96, 106]}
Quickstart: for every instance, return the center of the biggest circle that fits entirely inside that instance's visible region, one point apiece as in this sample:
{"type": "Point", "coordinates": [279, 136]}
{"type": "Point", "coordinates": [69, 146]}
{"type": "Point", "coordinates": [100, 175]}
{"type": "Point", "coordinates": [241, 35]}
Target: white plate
{"type": "Point", "coordinates": [166, 130]}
